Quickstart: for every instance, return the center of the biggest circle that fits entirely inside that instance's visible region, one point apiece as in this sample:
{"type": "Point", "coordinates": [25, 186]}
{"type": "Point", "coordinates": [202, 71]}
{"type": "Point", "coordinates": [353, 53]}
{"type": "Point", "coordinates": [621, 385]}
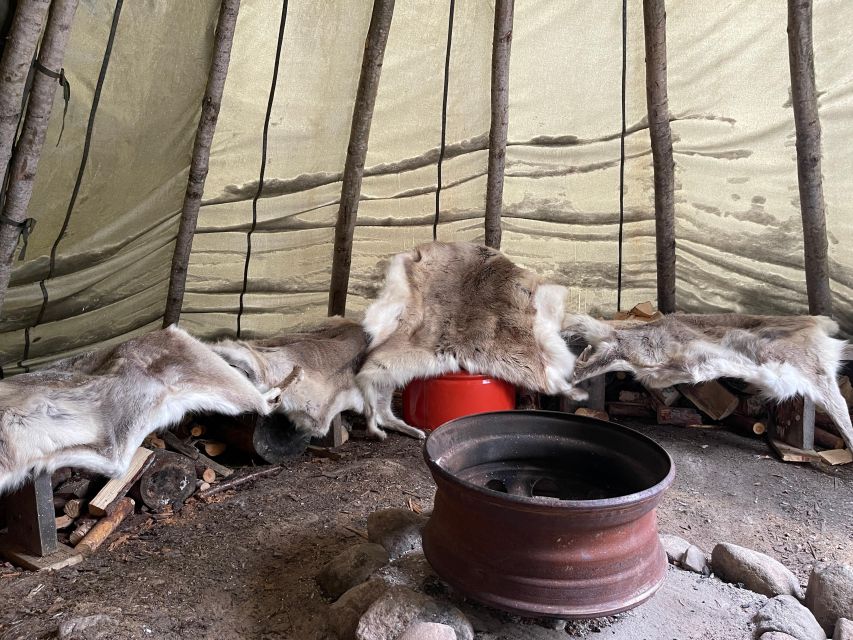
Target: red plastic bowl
{"type": "Point", "coordinates": [429, 403]}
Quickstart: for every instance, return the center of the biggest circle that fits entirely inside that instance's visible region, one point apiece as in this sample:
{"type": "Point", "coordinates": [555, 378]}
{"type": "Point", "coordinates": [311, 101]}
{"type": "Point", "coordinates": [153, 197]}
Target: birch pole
{"type": "Point", "coordinates": [200, 163]}
{"type": "Point", "coordinates": [501, 42]}
{"type": "Point", "coordinates": [25, 161]}
{"type": "Point", "coordinates": [807, 124]}
{"type": "Point", "coordinates": [15, 67]}
{"type": "Point", "coordinates": [362, 116]}
{"type": "Point", "coordinates": [654, 25]}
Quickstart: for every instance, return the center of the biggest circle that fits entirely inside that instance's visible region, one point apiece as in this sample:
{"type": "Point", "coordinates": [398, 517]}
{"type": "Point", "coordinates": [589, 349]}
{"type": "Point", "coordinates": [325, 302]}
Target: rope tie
{"type": "Point", "coordinates": [25, 228]}
{"type": "Point", "coordinates": [66, 90]}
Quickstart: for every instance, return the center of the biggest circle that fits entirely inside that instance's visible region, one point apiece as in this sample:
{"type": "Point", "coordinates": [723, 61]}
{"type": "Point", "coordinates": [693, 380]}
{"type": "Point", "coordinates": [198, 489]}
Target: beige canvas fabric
{"type": "Point", "coordinates": [738, 223]}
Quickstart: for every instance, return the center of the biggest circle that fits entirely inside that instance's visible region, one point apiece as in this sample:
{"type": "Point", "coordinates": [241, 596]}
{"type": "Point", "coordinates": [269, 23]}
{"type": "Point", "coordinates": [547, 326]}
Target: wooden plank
{"type": "Point", "coordinates": [793, 422]}
{"type": "Point", "coordinates": [792, 454]}
{"type": "Point", "coordinates": [31, 519]}
{"type": "Point", "coordinates": [836, 456]}
{"type": "Point", "coordinates": [337, 435]}
{"type": "Point", "coordinates": [103, 503]}
{"type": "Point", "coordinates": [63, 556]}
{"type": "Point", "coordinates": [711, 398]}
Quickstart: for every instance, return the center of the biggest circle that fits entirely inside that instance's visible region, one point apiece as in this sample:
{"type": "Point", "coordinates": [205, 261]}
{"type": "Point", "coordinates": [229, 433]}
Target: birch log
{"type": "Point", "coordinates": [501, 42]}
{"type": "Point", "coordinates": [368, 85]}
{"type": "Point", "coordinates": [210, 105]}
{"type": "Point", "coordinates": [23, 166]}
{"type": "Point", "coordinates": [807, 124]}
{"type": "Point", "coordinates": [654, 24]}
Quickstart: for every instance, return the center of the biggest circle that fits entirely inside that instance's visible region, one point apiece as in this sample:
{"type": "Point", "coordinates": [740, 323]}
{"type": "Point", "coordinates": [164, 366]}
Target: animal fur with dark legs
{"type": "Point", "coordinates": [447, 307]}
{"type": "Point", "coordinates": [322, 363]}
{"type": "Point", "coordinates": [94, 410]}
{"type": "Point", "coordinates": [783, 356]}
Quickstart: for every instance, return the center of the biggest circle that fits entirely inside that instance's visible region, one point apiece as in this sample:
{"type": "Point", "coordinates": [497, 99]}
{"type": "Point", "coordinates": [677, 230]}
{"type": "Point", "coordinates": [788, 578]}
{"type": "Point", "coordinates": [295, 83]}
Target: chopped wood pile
{"type": "Point", "coordinates": [727, 404]}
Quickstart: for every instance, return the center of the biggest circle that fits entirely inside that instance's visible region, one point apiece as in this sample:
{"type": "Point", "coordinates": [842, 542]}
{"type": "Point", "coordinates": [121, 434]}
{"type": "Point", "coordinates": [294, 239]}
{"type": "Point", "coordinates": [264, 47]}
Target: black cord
{"type": "Point", "coordinates": [443, 119]}
{"type": "Point", "coordinates": [622, 152]}
{"type": "Point", "coordinates": [79, 181]}
{"type": "Point", "coordinates": [257, 196]}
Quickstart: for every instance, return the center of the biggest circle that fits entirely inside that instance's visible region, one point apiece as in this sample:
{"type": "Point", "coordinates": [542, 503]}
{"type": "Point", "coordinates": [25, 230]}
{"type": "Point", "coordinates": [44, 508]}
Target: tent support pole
{"type": "Point", "coordinates": [362, 115]}
{"type": "Point", "coordinates": [807, 123]}
{"type": "Point", "coordinates": [210, 105]}
{"type": "Point", "coordinates": [501, 43]}
{"type": "Point", "coordinates": [22, 170]}
{"type": "Point", "coordinates": [654, 28]}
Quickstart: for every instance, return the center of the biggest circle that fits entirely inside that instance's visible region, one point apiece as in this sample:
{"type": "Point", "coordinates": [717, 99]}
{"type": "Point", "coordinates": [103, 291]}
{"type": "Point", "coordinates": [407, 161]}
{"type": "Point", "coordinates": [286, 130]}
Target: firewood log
{"type": "Point", "coordinates": [84, 525]}
{"type": "Point", "coordinates": [105, 526]}
{"type": "Point", "coordinates": [168, 482]}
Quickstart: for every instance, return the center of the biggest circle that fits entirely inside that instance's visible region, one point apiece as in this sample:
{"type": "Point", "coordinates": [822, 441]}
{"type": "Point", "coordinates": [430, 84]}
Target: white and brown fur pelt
{"type": "Point", "coordinates": [94, 410]}
{"type": "Point", "coordinates": [784, 356]}
{"type": "Point", "coordinates": [447, 307]}
{"type": "Point", "coordinates": [320, 365]}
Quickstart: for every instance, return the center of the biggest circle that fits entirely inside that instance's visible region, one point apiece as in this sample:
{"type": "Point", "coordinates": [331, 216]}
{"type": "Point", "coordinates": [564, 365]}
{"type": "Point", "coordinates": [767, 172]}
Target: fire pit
{"type": "Point", "coordinates": [547, 514]}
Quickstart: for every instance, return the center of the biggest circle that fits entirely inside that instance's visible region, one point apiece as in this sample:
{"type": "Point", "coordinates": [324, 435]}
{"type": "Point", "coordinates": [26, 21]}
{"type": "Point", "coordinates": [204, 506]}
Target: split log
{"type": "Point", "coordinates": [107, 498]}
{"type": "Point", "coordinates": [176, 444]}
{"type": "Point", "coordinates": [657, 101]}
{"type": "Point", "coordinates": [210, 105]}
{"type": "Point", "coordinates": [809, 178]}
{"type": "Point", "coordinates": [501, 45]}
{"type": "Point", "coordinates": [22, 169]}
{"type": "Point", "coordinates": [64, 521]}
{"type": "Point", "coordinates": [74, 488]}
{"type": "Point", "coordinates": [167, 482]}
{"type": "Point", "coordinates": [711, 398]}
{"type": "Point", "coordinates": [60, 476]}
{"type": "Point", "coordinates": [84, 525]}
{"type": "Point", "coordinates": [362, 116]}
{"type": "Point", "coordinates": [746, 424]}
{"type": "Point", "coordinates": [105, 526]}
{"type": "Point", "coordinates": [74, 508]}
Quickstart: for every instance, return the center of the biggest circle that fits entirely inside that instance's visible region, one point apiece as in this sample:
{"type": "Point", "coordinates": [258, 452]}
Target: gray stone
{"type": "Point", "coordinates": [830, 593]}
{"type": "Point", "coordinates": [784, 614]}
{"type": "Point", "coordinates": [351, 567]}
{"type": "Point", "coordinates": [428, 631]}
{"type": "Point", "coordinates": [694, 560]}
{"type": "Point", "coordinates": [84, 627]}
{"type": "Point", "coordinates": [674, 546]}
{"type": "Point", "coordinates": [347, 611]}
{"type": "Point", "coordinates": [399, 607]}
{"type": "Point", "coordinates": [756, 571]}
{"type": "Point", "coordinates": [843, 629]}
{"type": "Point", "coordinates": [398, 530]}
{"type": "Point", "coordinates": [776, 635]}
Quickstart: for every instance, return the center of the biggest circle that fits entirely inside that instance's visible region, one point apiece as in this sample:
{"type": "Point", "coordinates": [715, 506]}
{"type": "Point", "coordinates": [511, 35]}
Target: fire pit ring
{"type": "Point", "coordinates": [545, 513]}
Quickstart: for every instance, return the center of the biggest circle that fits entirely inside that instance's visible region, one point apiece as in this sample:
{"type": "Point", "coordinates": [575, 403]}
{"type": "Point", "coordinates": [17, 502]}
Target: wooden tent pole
{"type": "Point", "coordinates": [28, 151]}
{"type": "Point", "coordinates": [362, 115]}
{"type": "Point", "coordinates": [199, 165]}
{"type": "Point", "coordinates": [654, 29]}
{"type": "Point", "coordinates": [501, 42]}
{"type": "Point", "coordinates": [807, 124]}
{"type": "Point", "coordinates": [15, 67]}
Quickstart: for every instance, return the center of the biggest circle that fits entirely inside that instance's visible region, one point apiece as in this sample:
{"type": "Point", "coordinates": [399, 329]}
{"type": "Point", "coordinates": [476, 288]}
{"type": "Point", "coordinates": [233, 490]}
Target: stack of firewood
{"type": "Point", "coordinates": [728, 404]}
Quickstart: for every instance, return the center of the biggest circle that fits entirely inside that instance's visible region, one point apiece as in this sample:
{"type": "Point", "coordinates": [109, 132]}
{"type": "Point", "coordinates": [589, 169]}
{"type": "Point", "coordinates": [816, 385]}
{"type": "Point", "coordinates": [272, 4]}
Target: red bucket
{"type": "Point", "coordinates": [429, 403]}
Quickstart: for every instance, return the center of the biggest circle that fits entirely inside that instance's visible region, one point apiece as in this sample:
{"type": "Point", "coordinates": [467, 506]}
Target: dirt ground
{"type": "Point", "coordinates": [243, 566]}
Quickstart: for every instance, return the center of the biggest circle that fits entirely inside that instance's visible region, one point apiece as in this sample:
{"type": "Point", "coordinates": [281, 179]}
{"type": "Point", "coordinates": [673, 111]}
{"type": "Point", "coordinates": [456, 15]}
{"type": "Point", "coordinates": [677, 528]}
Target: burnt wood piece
{"type": "Point", "coordinates": [657, 101]}
{"type": "Point", "coordinates": [807, 125]}
{"type": "Point", "coordinates": [793, 423]}
{"type": "Point", "coordinates": [273, 438]}
{"type": "Point", "coordinates": [167, 482]}
{"type": "Point", "coordinates": [210, 105]}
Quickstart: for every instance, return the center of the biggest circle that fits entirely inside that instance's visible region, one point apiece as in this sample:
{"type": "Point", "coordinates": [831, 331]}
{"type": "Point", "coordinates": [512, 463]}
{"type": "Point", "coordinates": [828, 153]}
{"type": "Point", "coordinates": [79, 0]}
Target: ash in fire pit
{"type": "Point", "coordinates": [547, 513]}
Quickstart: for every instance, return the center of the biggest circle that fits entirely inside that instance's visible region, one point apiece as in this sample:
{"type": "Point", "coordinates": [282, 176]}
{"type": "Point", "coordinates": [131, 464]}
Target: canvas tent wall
{"type": "Point", "coordinates": [738, 223]}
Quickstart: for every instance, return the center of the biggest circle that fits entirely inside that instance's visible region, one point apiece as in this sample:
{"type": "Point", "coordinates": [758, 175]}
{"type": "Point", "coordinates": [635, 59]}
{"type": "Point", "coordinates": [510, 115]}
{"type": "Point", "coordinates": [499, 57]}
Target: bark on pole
{"type": "Point", "coordinates": [25, 162]}
{"type": "Point", "coordinates": [199, 165]}
{"type": "Point", "coordinates": [368, 85]}
{"type": "Point", "coordinates": [807, 123]}
{"type": "Point", "coordinates": [654, 25]}
{"type": "Point", "coordinates": [15, 66]}
{"type": "Point", "coordinates": [501, 42]}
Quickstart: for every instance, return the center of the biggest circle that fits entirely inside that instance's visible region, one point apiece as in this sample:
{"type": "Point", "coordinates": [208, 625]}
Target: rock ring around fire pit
{"type": "Point", "coordinates": [545, 513]}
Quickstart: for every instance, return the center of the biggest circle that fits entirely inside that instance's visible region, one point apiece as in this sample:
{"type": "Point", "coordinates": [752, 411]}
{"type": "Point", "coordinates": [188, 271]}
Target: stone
{"type": "Point", "coordinates": [694, 560]}
{"type": "Point", "coordinates": [76, 628]}
{"type": "Point", "coordinates": [428, 631]}
{"type": "Point", "coordinates": [843, 629]}
{"type": "Point", "coordinates": [351, 567]}
{"type": "Point", "coordinates": [757, 572]}
{"type": "Point", "coordinates": [776, 635]}
{"type": "Point", "coordinates": [674, 546]}
{"type": "Point", "coordinates": [830, 593]}
{"type": "Point", "coordinates": [397, 530]}
{"type": "Point", "coordinates": [785, 614]}
{"type": "Point", "coordinates": [347, 611]}
{"type": "Point", "coordinates": [399, 607]}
